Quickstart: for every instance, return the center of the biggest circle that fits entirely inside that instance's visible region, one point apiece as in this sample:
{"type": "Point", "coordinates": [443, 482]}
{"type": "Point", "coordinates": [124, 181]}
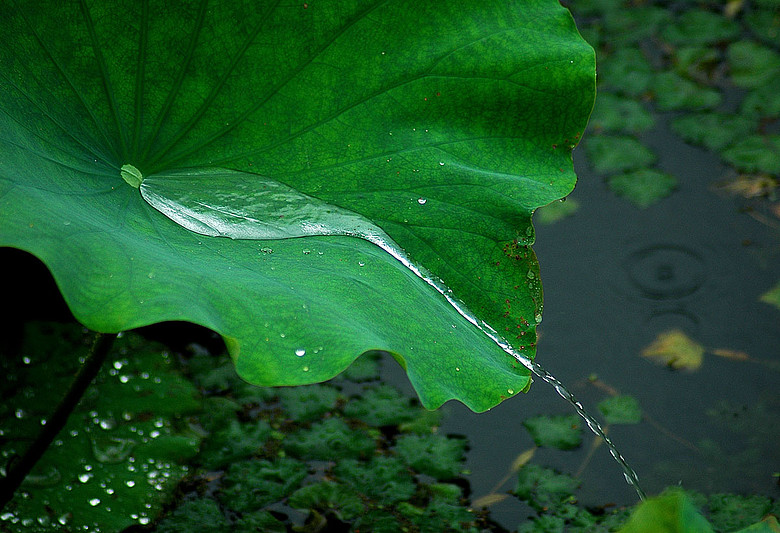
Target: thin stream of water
{"type": "Point", "coordinates": [386, 244]}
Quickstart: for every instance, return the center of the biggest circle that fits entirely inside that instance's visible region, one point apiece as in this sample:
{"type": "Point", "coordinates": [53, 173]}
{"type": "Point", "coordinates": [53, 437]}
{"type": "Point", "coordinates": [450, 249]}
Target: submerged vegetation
{"type": "Point", "coordinates": [188, 446]}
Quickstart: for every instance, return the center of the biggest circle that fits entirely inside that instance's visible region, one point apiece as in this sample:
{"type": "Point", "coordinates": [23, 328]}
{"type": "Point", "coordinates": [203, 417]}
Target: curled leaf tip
{"type": "Point", "coordinates": [132, 175]}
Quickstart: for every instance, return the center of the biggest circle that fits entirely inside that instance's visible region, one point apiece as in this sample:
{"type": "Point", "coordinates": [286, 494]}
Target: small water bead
{"type": "Point", "coordinates": [130, 483]}
{"type": "Point", "coordinates": [510, 391]}
{"type": "Point", "coordinates": [26, 360]}
{"type": "Point", "coordinates": [361, 263]}
{"type": "Point", "coordinates": [300, 352]}
{"type": "Point", "coordinates": [306, 369]}
{"type": "Point", "coordinates": [422, 201]}
{"type": "Point", "coordinates": [85, 477]}
{"type": "Point", "coordinates": [306, 251]}
{"type": "Point", "coordinates": [94, 502]}
{"type": "Point", "coordinates": [20, 413]}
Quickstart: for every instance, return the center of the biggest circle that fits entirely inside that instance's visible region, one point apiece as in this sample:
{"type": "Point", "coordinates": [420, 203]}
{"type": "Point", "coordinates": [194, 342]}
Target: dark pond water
{"type": "Point", "coordinates": [615, 276]}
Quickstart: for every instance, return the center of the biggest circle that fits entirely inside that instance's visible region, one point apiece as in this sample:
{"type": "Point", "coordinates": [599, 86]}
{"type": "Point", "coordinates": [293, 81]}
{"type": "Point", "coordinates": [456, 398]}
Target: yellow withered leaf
{"type": "Point", "coordinates": [676, 350]}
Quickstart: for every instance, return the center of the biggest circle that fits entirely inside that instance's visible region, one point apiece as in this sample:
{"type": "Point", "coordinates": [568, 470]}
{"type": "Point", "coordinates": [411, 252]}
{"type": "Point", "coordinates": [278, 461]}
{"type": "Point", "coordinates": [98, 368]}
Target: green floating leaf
{"type": "Point", "coordinates": [258, 521]}
{"type": "Point", "coordinates": [619, 114]}
{"type": "Point", "coordinates": [119, 457]}
{"type": "Point", "coordinates": [643, 187]}
{"type": "Point", "coordinates": [251, 485]}
{"type": "Point", "coordinates": [621, 410]}
{"type": "Point", "coordinates": [309, 402]}
{"type": "Point", "coordinates": [342, 124]}
{"type": "Point", "coordinates": [543, 488]}
{"type": "Point", "coordinates": [435, 455]}
{"type": "Point", "coordinates": [384, 479]}
{"type": "Point", "coordinates": [196, 516]}
{"type": "Point", "coordinates": [626, 71]}
{"type": "Point", "coordinates": [563, 432]}
{"type": "Point", "coordinates": [729, 512]}
{"type": "Point", "coordinates": [328, 440]}
{"type": "Point", "coordinates": [611, 153]}
{"type": "Point", "coordinates": [381, 406]}
{"type": "Point", "coordinates": [328, 496]}
{"type": "Point", "coordinates": [696, 62]}
{"type": "Point", "coordinates": [234, 442]}
{"type": "Point", "coordinates": [714, 131]}
{"type": "Point", "coordinates": [764, 23]}
{"type": "Point", "coordinates": [697, 26]}
{"type": "Point", "coordinates": [673, 92]}
{"type": "Point", "coordinates": [635, 24]}
{"type": "Point", "coordinates": [670, 512]}
{"type": "Point", "coordinates": [556, 211]}
{"type": "Point", "coordinates": [752, 64]}
{"type": "Point", "coordinates": [772, 296]}
{"type": "Point", "coordinates": [756, 153]}
{"type": "Point", "coordinates": [763, 102]}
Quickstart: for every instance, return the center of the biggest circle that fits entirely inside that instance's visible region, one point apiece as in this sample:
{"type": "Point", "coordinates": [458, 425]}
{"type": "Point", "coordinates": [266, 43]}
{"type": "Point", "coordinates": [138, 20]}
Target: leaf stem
{"type": "Point", "coordinates": [17, 472]}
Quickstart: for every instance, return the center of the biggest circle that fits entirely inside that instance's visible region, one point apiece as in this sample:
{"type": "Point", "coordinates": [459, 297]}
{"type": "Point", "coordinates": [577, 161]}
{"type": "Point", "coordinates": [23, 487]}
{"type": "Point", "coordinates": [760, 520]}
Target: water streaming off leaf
{"type": "Point", "coordinates": [226, 203]}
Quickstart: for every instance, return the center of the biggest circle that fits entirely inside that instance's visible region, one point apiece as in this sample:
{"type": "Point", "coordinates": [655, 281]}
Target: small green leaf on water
{"type": "Point", "coordinates": [713, 130]}
{"type": "Point", "coordinates": [752, 64]}
{"type": "Point", "coordinates": [132, 175]}
{"type": "Point", "coordinates": [385, 479]}
{"type": "Point", "coordinates": [381, 406]}
{"type": "Point", "coordinates": [308, 402]}
{"type": "Point", "coordinates": [643, 187]}
{"type": "Point", "coordinates": [195, 516]}
{"type": "Point", "coordinates": [543, 488]}
{"type": "Point", "coordinates": [328, 440]}
{"type": "Point", "coordinates": [613, 153]}
{"type": "Point", "coordinates": [615, 113]}
{"type": "Point", "coordinates": [251, 485]}
{"type": "Point", "coordinates": [556, 211]}
{"type": "Point", "coordinates": [729, 512]}
{"type": "Point", "coordinates": [670, 512]}
{"type": "Point", "coordinates": [697, 26]}
{"type": "Point", "coordinates": [563, 432]}
{"type": "Point", "coordinates": [625, 71]}
{"type": "Point", "coordinates": [676, 350]}
{"type": "Point", "coordinates": [621, 410]}
{"type": "Point", "coordinates": [673, 92]}
{"type": "Point", "coordinates": [757, 153]}
{"type": "Point", "coordinates": [434, 455]}
{"type": "Point", "coordinates": [772, 296]}
{"type": "Point", "coordinates": [328, 496]}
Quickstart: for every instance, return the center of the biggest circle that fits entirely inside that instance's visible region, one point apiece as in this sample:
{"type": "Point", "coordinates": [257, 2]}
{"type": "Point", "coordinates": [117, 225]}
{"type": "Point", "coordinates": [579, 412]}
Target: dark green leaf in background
{"type": "Point", "coordinates": [617, 153]}
{"type": "Point", "coordinates": [643, 187]}
{"type": "Point", "coordinates": [621, 410]}
{"type": "Point", "coordinates": [563, 432]}
{"type": "Point", "coordinates": [434, 130]}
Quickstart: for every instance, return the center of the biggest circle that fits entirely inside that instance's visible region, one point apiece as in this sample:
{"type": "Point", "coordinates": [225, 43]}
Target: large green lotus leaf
{"type": "Point", "coordinates": [310, 180]}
